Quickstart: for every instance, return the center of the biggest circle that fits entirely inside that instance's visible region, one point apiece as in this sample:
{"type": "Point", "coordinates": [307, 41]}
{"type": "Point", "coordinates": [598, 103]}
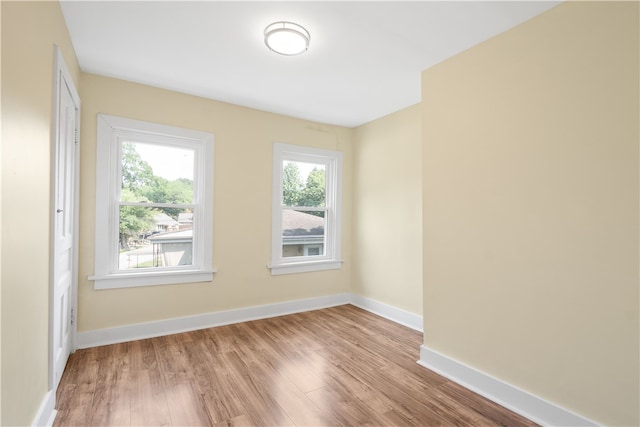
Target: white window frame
{"type": "Point", "coordinates": [332, 160]}
{"type": "Point", "coordinates": [111, 131]}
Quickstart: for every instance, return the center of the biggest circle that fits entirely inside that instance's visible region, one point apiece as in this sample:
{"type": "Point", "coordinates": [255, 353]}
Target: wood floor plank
{"type": "Point", "coordinates": [340, 366]}
{"type": "Point", "coordinates": [239, 421]}
{"type": "Point", "coordinates": [289, 397]}
{"type": "Point", "coordinates": [262, 407]}
{"type": "Point", "coordinates": [346, 410]}
{"type": "Point", "coordinates": [186, 406]}
{"type": "Point", "coordinates": [307, 372]}
{"type": "Point", "coordinates": [143, 355]}
{"type": "Point", "coordinates": [485, 410]}
{"type": "Point", "coordinates": [388, 390]}
{"type": "Point", "coordinates": [298, 407]}
{"type": "Point", "coordinates": [221, 339]}
{"type": "Point", "coordinates": [149, 404]}
{"type": "Point", "coordinates": [111, 399]}
{"type": "Point", "coordinates": [216, 384]}
{"type": "Point", "coordinates": [77, 388]}
{"type": "Point", "coordinates": [172, 361]}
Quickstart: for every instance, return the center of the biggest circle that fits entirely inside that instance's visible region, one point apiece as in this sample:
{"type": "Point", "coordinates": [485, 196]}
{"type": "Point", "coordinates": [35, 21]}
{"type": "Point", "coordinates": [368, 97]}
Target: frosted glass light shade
{"type": "Point", "coordinates": [286, 38]}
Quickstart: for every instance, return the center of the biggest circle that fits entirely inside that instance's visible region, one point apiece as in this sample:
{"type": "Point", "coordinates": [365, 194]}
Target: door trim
{"type": "Point", "coordinates": [61, 74]}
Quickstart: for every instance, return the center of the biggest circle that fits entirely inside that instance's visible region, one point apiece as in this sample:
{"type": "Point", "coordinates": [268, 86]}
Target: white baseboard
{"type": "Point", "coordinates": [46, 413]}
{"type": "Point", "coordinates": [387, 311]}
{"type": "Point", "coordinates": [201, 321]}
{"type": "Point", "coordinates": [504, 394]}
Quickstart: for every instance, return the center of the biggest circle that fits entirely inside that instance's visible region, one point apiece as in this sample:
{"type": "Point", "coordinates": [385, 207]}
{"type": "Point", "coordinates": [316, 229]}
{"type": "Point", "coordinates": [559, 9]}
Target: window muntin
{"type": "Point", "coordinates": [154, 204]}
{"type": "Point", "coordinates": [306, 209]}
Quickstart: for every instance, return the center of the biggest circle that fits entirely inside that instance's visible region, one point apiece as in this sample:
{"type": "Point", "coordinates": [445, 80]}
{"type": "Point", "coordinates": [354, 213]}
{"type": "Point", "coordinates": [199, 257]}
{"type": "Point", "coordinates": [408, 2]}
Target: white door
{"type": "Point", "coordinates": [64, 220]}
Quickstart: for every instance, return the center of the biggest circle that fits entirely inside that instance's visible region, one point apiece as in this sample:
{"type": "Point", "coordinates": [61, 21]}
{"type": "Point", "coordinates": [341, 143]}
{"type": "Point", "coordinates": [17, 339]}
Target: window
{"type": "Point", "coordinates": [154, 204]}
{"type": "Point", "coordinates": [306, 209]}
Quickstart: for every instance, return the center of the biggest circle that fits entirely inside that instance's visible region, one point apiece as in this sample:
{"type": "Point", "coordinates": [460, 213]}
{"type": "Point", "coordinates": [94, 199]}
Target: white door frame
{"type": "Point", "coordinates": [62, 76]}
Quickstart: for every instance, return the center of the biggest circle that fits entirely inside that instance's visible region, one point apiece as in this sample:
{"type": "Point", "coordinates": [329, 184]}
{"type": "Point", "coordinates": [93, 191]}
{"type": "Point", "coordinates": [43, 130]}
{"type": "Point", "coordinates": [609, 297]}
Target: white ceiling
{"type": "Point", "coordinates": [364, 60]}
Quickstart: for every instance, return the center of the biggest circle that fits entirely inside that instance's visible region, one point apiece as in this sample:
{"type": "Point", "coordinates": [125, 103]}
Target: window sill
{"type": "Point", "coordinates": [152, 278]}
{"type": "Point", "coordinates": [304, 267]}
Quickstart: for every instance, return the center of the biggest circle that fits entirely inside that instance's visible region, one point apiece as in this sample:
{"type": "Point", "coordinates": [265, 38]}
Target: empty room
{"type": "Point", "coordinates": [320, 213]}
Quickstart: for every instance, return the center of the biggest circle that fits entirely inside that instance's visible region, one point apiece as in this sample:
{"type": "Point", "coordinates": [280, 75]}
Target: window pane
{"type": "Point", "coordinates": [155, 237]}
{"type": "Point", "coordinates": [156, 173]}
{"type": "Point", "coordinates": [302, 233]}
{"type": "Point", "coordinates": [303, 184]}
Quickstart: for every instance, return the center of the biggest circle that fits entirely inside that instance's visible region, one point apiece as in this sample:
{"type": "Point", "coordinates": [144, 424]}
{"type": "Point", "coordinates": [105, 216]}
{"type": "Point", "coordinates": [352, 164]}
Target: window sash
{"type": "Point", "coordinates": [195, 238]}
{"type": "Point", "coordinates": [198, 148]}
{"type": "Point", "coordinates": [302, 241]}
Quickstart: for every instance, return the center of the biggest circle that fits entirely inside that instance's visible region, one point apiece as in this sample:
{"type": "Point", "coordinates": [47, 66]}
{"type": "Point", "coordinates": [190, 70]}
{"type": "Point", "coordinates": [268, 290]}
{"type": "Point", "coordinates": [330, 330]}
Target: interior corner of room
{"type": "Point", "coordinates": [499, 215]}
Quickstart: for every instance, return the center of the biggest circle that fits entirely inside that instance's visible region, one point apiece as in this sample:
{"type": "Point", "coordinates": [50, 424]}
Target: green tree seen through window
{"type": "Point", "coordinates": [296, 193]}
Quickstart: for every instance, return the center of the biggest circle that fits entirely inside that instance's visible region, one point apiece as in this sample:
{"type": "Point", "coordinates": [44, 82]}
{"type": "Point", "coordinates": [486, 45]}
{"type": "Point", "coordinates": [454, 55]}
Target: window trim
{"type": "Point", "coordinates": [110, 131]}
{"type": "Point", "coordinates": [331, 259]}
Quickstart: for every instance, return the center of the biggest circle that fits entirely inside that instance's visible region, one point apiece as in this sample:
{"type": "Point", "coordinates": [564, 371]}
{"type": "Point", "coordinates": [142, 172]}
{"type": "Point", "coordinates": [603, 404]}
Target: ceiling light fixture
{"type": "Point", "coordinates": [286, 38]}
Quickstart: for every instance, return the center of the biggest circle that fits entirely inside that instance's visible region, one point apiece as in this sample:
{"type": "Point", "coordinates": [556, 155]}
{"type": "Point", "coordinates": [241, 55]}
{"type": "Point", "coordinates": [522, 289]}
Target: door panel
{"type": "Point", "coordinates": [64, 226]}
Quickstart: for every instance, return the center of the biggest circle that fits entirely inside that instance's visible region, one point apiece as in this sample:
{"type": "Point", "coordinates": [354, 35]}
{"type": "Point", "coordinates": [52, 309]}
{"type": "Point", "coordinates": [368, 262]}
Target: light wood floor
{"type": "Point", "coordinates": [336, 366]}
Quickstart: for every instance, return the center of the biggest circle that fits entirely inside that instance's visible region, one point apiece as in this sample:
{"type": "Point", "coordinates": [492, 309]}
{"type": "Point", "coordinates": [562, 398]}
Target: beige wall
{"type": "Point", "coordinates": [531, 208]}
{"type": "Point", "coordinates": [29, 31]}
{"type": "Point", "coordinates": [387, 221]}
{"type": "Point", "coordinates": [242, 211]}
